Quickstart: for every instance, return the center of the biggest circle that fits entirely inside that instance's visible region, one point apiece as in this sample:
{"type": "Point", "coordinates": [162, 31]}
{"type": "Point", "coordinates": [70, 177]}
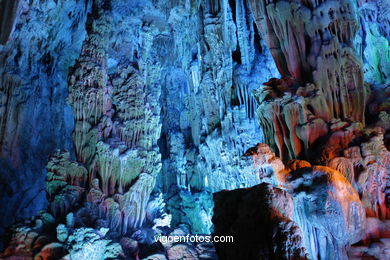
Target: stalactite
{"type": "Point", "coordinates": [9, 85]}
{"type": "Point", "coordinates": [8, 14]}
{"type": "Point", "coordinates": [314, 208]}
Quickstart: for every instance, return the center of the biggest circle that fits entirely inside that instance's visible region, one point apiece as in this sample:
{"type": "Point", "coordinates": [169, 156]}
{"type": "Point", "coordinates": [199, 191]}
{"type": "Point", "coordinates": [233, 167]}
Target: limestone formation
{"type": "Point", "coordinates": [35, 119]}
{"type": "Point", "coordinates": [141, 110]}
{"type": "Point", "coordinates": [86, 243]}
{"type": "Point", "coordinates": [370, 160]}
{"type": "Point", "coordinates": [312, 44]}
{"type": "Point", "coordinates": [374, 42]}
{"type": "Point", "coordinates": [328, 210]}
{"type": "Point", "coordinates": [194, 210]}
{"type": "Point", "coordinates": [324, 204]}
{"type": "Point", "coordinates": [116, 129]}
{"type": "Point", "coordinates": [270, 167]}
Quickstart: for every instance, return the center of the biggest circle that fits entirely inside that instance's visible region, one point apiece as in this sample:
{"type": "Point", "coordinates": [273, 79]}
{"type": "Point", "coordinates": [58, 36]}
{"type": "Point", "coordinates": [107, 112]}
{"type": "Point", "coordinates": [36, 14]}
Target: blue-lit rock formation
{"type": "Point", "coordinates": [123, 120]}
{"type": "Point", "coordinates": [35, 119]}
{"type": "Point", "coordinates": [373, 42]}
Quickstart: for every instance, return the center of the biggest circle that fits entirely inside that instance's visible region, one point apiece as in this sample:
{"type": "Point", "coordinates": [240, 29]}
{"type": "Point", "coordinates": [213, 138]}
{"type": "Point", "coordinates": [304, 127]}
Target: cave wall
{"type": "Point", "coordinates": [151, 105]}
{"type": "Point", "coordinates": [34, 116]}
{"type": "Point", "coordinates": [198, 60]}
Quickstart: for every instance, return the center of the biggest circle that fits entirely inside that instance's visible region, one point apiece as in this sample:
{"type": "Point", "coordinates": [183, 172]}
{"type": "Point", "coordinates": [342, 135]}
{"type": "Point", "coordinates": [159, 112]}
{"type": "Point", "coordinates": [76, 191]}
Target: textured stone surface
{"type": "Point", "coordinates": [270, 168]}
{"type": "Point", "coordinates": [131, 52]}
{"type": "Point", "coordinates": [195, 210]}
{"type": "Point", "coordinates": [370, 160]}
{"type": "Point", "coordinates": [374, 42]}
{"type": "Point", "coordinates": [86, 243]}
{"type": "Point", "coordinates": [134, 69]}
{"type": "Point", "coordinates": [116, 124]}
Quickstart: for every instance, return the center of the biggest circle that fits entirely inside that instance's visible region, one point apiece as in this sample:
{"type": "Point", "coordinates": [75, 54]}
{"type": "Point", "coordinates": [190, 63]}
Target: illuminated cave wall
{"type": "Point", "coordinates": [121, 119]}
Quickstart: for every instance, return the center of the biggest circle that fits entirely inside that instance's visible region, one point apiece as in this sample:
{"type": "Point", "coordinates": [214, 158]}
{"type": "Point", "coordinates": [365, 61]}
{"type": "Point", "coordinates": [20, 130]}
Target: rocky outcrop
{"type": "Point", "coordinates": [376, 241]}
{"type": "Point", "coordinates": [34, 240]}
{"type": "Point", "coordinates": [65, 184]}
{"type": "Point", "coordinates": [161, 107]}
{"type": "Point", "coordinates": [269, 167]}
{"type": "Point", "coordinates": [126, 74]}
{"type": "Point", "coordinates": [328, 210]}
{"type": "Point", "coordinates": [209, 110]}
{"type": "Point", "coordinates": [259, 220]}
{"type": "Point", "coordinates": [194, 210]}
{"type": "Point", "coordinates": [325, 205]}
{"type": "Point", "coordinates": [86, 243]}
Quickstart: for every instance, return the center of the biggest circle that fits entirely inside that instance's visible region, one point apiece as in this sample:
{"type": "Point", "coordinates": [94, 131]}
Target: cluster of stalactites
{"type": "Point", "coordinates": [116, 130]}
{"type": "Point", "coordinates": [295, 31]}
{"type": "Point", "coordinates": [123, 211]}
{"type": "Point", "coordinates": [366, 166]}
{"type": "Point", "coordinates": [65, 183]}
{"type": "Point", "coordinates": [89, 91]}
{"type": "Point", "coordinates": [135, 122]}
{"type": "Point", "coordinates": [312, 45]}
